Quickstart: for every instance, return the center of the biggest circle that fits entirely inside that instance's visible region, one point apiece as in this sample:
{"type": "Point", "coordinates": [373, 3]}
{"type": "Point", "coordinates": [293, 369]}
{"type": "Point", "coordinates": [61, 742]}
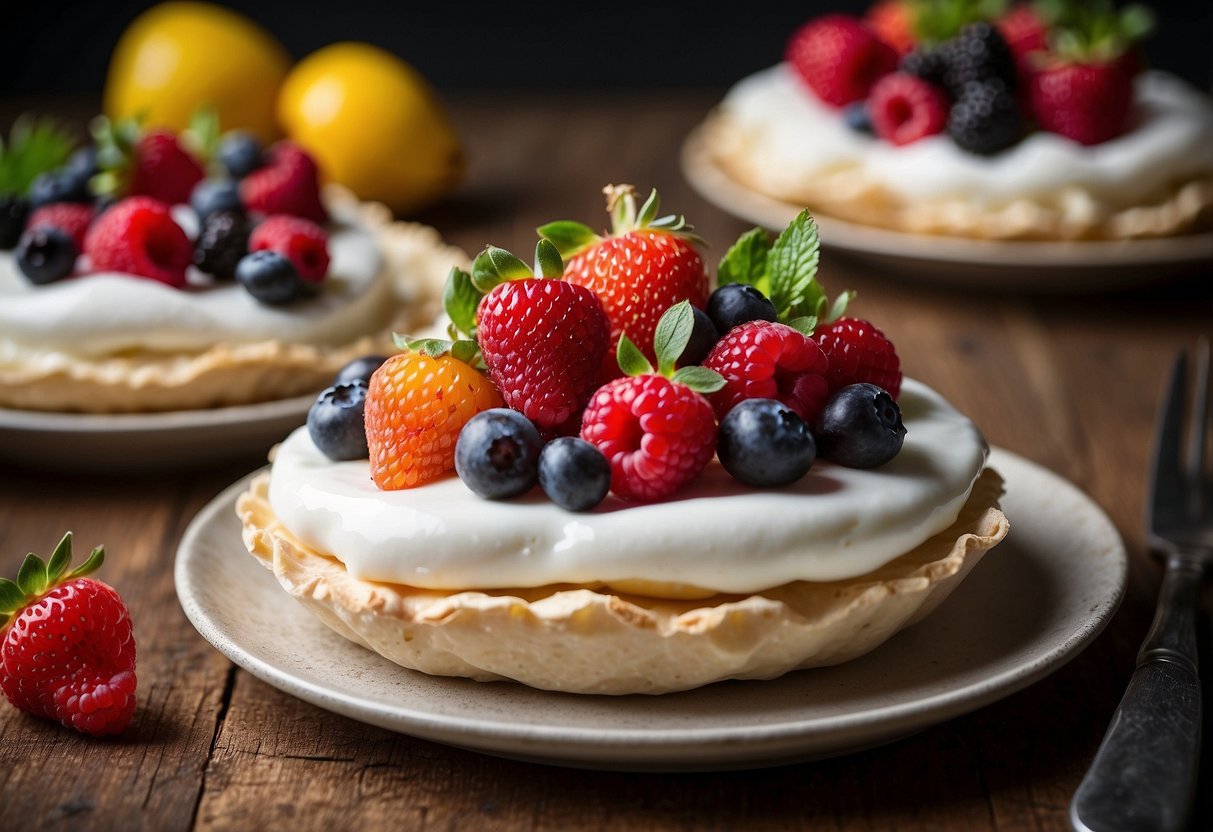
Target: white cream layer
{"type": "Point", "coordinates": [836, 523]}
{"type": "Point", "coordinates": [108, 313]}
{"type": "Point", "coordinates": [1171, 142]}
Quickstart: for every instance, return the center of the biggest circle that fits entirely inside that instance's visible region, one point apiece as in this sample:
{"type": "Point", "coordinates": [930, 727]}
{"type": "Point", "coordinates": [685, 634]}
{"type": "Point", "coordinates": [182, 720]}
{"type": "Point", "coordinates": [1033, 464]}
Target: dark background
{"type": "Point", "coordinates": [61, 46]}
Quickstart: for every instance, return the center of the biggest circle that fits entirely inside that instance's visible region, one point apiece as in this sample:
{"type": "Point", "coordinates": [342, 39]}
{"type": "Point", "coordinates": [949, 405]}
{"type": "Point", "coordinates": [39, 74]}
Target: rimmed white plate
{"type": "Point", "coordinates": [1004, 265]}
{"type": "Point", "coordinates": [147, 441]}
{"type": "Point", "coordinates": [1032, 604]}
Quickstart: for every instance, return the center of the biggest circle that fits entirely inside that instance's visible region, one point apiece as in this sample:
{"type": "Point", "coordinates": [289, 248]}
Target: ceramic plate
{"type": "Point", "coordinates": [147, 441]}
{"type": "Point", "coordinates": [1009, 265]}
{"type": "Point", "coordinates": [983, 643]}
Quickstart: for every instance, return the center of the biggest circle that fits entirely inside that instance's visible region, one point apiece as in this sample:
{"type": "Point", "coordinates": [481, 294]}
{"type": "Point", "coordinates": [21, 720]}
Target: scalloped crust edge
{"type": "Point", "coordinates": [416, 260]}
{"type": "Point", "coordinates": [580, 639]}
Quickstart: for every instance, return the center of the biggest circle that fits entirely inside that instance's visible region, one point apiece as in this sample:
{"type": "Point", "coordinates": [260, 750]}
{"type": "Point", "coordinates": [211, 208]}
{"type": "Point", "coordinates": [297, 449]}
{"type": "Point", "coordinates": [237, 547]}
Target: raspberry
{"type": "Point", "coordinates": [657, 434]}
{"type": "Point", "coordinates": [163, 169]}
{"type": "Point", "coordinates": [985, 119]}
{"type": "Point", "coordinates": [764, 360]}
{"type": "Point", "coordinates": [544, 343]}
{"type": "Point", "coordinates": [905, 109]}
{"type": "Point", "coordinates": [1088, 103]}
{"type": "Point", "coordinates": [138, 236]}
{"type": "Point", "coordinates": [301, 241]}
{"type": "Point", "coordinates": [839, 58]}
{"type": "Point", "coordinates": [72, 218]}
{"type": "Point", "coordinates": [416, 405]}
{"type": "Point", "coordinates": [288, 183]}
{"type": "Point", "coordinates": [859, 352]}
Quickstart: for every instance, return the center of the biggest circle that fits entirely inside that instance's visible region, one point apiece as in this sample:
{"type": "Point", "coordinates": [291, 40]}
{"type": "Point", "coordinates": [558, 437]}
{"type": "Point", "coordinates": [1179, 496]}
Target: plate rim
{"type": "Point", "coordinates": [552, 743]}
{"type": "Point", "coordinates": [82, 424]}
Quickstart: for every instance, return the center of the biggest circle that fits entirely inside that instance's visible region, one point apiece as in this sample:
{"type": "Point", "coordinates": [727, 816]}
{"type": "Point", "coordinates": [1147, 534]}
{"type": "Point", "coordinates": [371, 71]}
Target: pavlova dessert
{"type": "Point", "coordinates": [975, 119]}
{"type": "Point", "coordinates": [155, 271]}
{"type": "Point", "coordinates": [749, 488]}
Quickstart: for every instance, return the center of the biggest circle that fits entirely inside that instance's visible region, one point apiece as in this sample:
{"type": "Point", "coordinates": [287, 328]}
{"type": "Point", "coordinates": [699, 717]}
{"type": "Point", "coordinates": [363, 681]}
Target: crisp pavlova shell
{"type": "Point", "coordinates": [850, 193]}
{"type": "Point", "coordinates": [588, 640]}
{"type": "Point", "coordinates": [415, 258]}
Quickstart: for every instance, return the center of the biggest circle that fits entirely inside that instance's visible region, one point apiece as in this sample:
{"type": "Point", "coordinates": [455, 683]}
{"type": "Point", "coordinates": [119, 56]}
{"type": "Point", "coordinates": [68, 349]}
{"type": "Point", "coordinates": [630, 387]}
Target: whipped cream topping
{"type": "Point", "coordinates": [108, 313]}
{"type": "Point", "coordinates": [836, 523]}
{"type": "Point", "coordinates": [1171, 142]}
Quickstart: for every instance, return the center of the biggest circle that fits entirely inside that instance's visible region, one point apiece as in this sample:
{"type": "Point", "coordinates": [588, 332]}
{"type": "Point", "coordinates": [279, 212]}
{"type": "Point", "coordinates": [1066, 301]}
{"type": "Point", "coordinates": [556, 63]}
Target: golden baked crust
{"type": "Point", "coordinates": [580, 639]}
{"type": "Point", "coordinates": [850, 194]}
{"type": "Point", "coordinates": [415, 258]}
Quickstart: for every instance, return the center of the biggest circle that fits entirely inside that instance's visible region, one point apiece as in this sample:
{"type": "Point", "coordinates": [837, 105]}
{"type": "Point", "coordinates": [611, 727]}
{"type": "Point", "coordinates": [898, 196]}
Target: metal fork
{"type": "Point", "coordinates": [1144, 774]}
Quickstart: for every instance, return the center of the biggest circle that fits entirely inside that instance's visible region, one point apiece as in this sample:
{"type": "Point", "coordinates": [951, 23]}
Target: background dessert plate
{"type": "Point", "coordinates": [982, 644]}
{"type": "Point", "coordinates": [987, 264]}
{"type": "Point", "coordinates": [147, 441]}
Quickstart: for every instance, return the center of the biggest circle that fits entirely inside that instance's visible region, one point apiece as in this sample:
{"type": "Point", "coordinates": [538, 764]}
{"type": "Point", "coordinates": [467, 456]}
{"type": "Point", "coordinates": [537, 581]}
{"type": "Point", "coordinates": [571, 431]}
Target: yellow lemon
{"type": "Point", "coordinates": [373, 124]}
{"type": "Point", "coordinates": [177, 57]}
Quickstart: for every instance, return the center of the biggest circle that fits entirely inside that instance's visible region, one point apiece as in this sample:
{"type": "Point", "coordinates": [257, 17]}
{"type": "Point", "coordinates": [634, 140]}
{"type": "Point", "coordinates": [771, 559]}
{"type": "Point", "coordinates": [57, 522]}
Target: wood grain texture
{"type": "Point", "coordinates": [1069, 382]}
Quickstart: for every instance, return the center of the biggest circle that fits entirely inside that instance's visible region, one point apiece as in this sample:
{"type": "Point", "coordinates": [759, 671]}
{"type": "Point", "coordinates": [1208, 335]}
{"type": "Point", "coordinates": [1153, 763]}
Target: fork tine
{"type": "Point", "coordinates": [1167, 480]}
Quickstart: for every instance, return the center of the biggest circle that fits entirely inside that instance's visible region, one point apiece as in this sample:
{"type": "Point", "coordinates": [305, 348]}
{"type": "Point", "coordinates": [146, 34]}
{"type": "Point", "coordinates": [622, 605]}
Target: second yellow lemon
{"type": "Point", "coordinates": [373, 124]}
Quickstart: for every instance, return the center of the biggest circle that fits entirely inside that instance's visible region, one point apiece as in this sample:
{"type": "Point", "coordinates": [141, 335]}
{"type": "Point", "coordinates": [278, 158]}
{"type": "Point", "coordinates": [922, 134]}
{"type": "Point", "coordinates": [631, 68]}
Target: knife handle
{"type": "Point", "coordinates": [1144, 774]}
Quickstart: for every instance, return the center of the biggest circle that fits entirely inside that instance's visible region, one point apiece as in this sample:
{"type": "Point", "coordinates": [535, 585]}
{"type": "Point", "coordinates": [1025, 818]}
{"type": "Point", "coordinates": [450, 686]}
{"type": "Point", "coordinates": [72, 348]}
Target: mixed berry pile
{"type": "Point", "coordinates": [107, 207]}
{"type": "Point", "coordinates": [984, 72]}
{"type": "Point", "coordinates": [608, 366]}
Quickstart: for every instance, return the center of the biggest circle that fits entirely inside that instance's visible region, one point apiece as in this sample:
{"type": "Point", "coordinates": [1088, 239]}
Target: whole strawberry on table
{"type": "Point", "coordinates": [67, 652]}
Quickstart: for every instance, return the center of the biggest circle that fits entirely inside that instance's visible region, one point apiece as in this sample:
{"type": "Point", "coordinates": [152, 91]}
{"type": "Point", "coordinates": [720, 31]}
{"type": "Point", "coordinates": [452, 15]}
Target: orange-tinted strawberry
{"type": "Point", "coordinates": [893, 23]}
{"type": "Point", "coordinates": [644, 267]}
{"type": "Point", "coordinates": [415, 407]}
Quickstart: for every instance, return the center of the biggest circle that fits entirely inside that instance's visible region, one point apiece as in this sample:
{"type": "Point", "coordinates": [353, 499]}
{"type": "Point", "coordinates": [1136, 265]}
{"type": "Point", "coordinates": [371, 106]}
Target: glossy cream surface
{"type": "Point", "coordinates": [717, 534]}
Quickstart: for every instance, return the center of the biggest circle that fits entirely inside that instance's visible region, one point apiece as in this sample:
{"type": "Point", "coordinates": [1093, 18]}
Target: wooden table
{"type": "Point", "coordinates": [1069, 382]}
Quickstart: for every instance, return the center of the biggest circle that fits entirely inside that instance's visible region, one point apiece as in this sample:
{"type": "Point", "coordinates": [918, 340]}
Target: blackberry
{"type": "Point", "coordinates": [221, 244]}
{"type": "Point", "coordinates": [929, 65]}
{"type": "Point", "coordinates": [985, 118]}
{"type": "Point", "coordinates": [858, 117]}
{"type": "Point", "coordinates": [978, 53]}
{"type": "Point", "coordinates": [13, 211]}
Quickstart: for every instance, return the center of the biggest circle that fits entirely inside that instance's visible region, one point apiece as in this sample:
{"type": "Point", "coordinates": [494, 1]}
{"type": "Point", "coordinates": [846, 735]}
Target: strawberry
{"type": "Point", "coordinates": [67, 651]}
{"type": "Point", "coordinates": [859, 352]}
{"type": "Point", "coordinates": [138, 162]}
{"type": "Point", "coordinates": [543, 340]}
{"type": "Point", "coordinates": [416, 405]}
{"type": "Point", "coordinates": [301, 241]}
{"type": "Point", "coordinates": [1025, 32]}
{"type": "Point", "coordinates": [644, 267]}
{"type": "Point", "coordinates": [765, 360]}
{"type": "Point", "coordinates": [839, 58]}
{"type": "Point", "coordinates": [893, 22]}
{"type": "Point", "coordinates": [72, 218]}
{"type": "Point", "coordinates": [288, 183]}
{"type": "Point", "coordinates": [138, 236]}
{"type": "Point", "coordinates": [905, 109]}
{"type": "Point", "coordinates": [654, 427]}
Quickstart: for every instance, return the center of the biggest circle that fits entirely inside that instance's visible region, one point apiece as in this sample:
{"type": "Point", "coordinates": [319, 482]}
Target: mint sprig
{"type": "Point", "coordinates": [669, 342]}
{"type": "Point", "coordinates": [35, 145]}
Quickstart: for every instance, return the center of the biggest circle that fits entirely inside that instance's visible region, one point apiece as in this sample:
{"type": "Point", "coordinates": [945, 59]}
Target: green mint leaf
{"type": "Point", "coordinates": [805, 324]}
{"type": "Point", "coordinates": [547, 260]}
{"type": "Point", "coordinates": [31, 577]}
{"type": "Point", "coordinates": [11, 596]}
{"type": "Point", "coordinates": [91, 564]}
{"type": "Point", "coordinates": [746, 260]}
{"type": "Point", "coordinates": [202, 136]}
{"type": "Point", "coordinates": [699, 379]}
{"type": "Point", "coordinates": [495, 266]}
{"type": "Point", "coordinates": [672, 335]}
{"type": "Point", "coordinates": [59, 560]}
{"type": "Point", "coordinates": [570, 238]}
{"type": "Point", "coordinates": [466, 351]}
{"type": "Point", "coordinates": [460, 299]}
{"type": "Point", "coordinates": [792, 266]}
{"type": "Point", "coordinates": [433, 347]}
{"type": "Point", "coordinates": [648, 211]}
{"type": "Point", "coordinates": [631, 360]}
{"type": "Point", "coordinates": [839, 307]}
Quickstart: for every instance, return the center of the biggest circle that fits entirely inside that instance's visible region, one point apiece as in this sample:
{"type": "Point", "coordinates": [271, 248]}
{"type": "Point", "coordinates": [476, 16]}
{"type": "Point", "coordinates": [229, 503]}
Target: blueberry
{"type": "Point", "coordinates": [860, 427]}
{"type": "Point", "coordinates": [222, 244]}
{"type": "Point", "coordinates": [13, 211]}
{"type": "Point", "coordinates": [738, 303]}
{"type": "Point", "coordinates": [497, 454]}
{"type": "Point", "coordinates": [269, 277]}
{"type": "Point", "coordinates": [360, 369]}
{"type": "Point", "coordinates": [212, 195]}
{"type": "Point", "coordinates": [63, 185]}
{"type": "Point", "coordinates": [703, 337]}
{"type": "Point", "coordinates": [240, 152]}
{"type": "Point", "coordinates": [857, 117]}
{"type": "Point", "coordinates": [83, 163]}
{"type": "Point", "coordinates": [574, 474]}
{"type": "Point", "coordinates": [763, 442]}
{"type": "Point", "coordinates": [46, 254]}
{"type": "Point", "coordinates": [335, 422]}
